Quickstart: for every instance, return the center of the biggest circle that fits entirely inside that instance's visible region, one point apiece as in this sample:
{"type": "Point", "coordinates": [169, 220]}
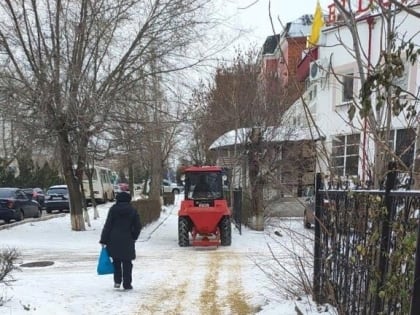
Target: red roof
{"type": "Point", "coordinates": [203, 169]}
{"type": "Point", "coordinates": [303, 67]}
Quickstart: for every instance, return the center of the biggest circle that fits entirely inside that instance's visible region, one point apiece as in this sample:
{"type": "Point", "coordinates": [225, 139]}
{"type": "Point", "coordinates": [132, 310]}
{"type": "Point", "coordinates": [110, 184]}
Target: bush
{"type": "Point", "coordinates": [148, 210]}
{"type": "Point", "coordinates": [168, 198]}
{"type": "Point", "coordinates": [8, 258]}
{"type": "Point", "coordinates": [32, 175]}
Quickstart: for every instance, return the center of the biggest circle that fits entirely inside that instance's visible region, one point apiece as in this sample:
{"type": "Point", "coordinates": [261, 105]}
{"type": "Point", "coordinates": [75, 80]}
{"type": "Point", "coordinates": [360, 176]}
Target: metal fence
{"type": "Point", "coordinates": [237, 209]}
{"type": "Point", "coordinates": [367, 252]}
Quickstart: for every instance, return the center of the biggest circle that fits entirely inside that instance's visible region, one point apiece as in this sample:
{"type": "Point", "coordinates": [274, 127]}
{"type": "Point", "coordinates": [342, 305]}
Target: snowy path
{"type": "Point", "coordinates": [167, 279]}
{"type": "Point", "coordinates": [192, 280]}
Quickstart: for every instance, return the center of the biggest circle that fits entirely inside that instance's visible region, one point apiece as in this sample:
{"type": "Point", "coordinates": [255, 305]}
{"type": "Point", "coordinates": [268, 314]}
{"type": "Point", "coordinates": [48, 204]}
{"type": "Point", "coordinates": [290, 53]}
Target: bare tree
{"type": "Point", "coordinates": [69, 60]}
{"type": "Point", "coordinates": [14, 135]}
{"type": "Point", "coordinates": [196, 139]}
{"type": "Point", "coordinates": [244, 97]}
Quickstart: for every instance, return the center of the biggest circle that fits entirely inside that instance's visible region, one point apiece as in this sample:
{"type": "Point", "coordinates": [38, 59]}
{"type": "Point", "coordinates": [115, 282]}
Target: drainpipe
{"type": "Point", "coordinates": [370, 21]}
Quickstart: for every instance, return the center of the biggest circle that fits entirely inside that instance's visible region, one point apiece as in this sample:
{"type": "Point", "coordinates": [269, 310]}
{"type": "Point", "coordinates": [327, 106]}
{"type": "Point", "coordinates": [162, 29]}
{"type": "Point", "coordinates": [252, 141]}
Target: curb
{"type": "Point", "coordinates": [29, 220]}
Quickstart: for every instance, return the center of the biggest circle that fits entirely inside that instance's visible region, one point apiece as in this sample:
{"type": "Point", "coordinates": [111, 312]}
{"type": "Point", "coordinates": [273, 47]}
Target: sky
{"type": "Point", "coordinates": [167, 279]}
{"type": "Point", "coordinates": [253, 15]}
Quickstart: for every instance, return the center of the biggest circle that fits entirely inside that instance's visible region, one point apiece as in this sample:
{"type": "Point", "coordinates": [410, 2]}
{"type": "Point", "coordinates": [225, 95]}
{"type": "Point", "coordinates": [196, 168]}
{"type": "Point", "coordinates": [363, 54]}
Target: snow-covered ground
{"type": "Point", "coordinates": [167, 279]}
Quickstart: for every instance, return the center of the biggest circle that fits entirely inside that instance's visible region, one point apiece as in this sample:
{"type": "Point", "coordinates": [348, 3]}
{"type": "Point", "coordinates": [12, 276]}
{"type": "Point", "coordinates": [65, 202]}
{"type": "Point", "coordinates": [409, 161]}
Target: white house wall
{"type": "Point", "coordinates": [331, 115]}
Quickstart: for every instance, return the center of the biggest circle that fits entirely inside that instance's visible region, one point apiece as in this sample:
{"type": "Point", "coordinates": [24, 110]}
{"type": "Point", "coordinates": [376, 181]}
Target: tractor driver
{"type": "Point", "coordinates": [202, 189]}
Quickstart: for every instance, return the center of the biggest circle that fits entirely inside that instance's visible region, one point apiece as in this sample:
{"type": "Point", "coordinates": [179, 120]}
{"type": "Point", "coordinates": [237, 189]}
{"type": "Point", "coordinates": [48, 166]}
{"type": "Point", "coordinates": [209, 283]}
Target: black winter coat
{"type": "Point", "coordinates": [121, 230]}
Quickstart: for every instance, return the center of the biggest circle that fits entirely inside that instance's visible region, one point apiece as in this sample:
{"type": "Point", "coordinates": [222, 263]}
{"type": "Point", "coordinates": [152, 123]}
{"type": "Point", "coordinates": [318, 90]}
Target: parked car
{"type": "Point", "coordinates": [36, 194]}
{"type": "Point", "coordinates": [170, 187]}
{"type": "Point", "coordinates": [57, 198]}
{"type": "Point", "coordinates": [15, 205]}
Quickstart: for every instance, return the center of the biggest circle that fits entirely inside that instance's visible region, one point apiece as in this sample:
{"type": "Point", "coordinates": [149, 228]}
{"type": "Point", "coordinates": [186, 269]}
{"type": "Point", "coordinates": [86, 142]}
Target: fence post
{"type": "Point", "coordinates": [317, 242]}
{"type": "Point", "coordinates": [385, 234]}
{"type": "Point", "coordinates": [237, 209]}
{"type": "Point", "coordinates": [415, 295]}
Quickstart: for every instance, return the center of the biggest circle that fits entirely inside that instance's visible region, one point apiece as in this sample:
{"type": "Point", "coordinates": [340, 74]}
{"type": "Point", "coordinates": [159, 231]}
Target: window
{"type": "Point", "coordinates": [404, 145]}
{"type": "Point", "coordinates": [312, 93]}
{"type": "Point", "coordinates": [105, 179]}
{"type": "Point", "coordinates": [94, 175]}
{"type": "Point", "coordinates": [347, 95]}
{"type": "Point", "coordinates": [20, 195]}
{"type": "Point", "coordinates": [345, 154]}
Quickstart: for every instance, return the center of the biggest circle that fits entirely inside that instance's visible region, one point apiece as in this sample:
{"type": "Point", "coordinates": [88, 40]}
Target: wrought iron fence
{"type": "Point", "coordinates": [234, 199]}
{"type": "Point", "coordinates": [365, 259]}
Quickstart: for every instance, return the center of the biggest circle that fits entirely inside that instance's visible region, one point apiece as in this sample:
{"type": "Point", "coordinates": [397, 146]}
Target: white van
{"type": "Point", "coordinates": [103, 187]}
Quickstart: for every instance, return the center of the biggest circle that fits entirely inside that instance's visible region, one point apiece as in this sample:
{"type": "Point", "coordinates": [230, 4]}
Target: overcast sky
{"type": "Point", "coordinates": [253, 15]}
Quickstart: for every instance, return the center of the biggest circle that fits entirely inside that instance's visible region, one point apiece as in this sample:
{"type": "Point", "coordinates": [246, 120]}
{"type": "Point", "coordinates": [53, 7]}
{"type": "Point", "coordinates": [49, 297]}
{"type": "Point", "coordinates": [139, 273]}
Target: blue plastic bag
{"type": "Point", "coordinates": [105, 266]}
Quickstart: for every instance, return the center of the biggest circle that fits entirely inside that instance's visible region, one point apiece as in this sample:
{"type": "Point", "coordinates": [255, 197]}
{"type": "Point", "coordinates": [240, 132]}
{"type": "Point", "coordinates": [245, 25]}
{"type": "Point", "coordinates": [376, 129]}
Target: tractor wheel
{"type": "Point", "coordinates": [183, 232]}
{"type": "Point", "coordinates": [225, 231]}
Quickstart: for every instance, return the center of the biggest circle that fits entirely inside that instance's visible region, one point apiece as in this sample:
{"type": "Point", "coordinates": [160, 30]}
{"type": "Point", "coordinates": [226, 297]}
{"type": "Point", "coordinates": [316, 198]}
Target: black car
{"type": "Point", "coordinates": [15, 205]}
{"type": "Point", "coordinates": [36, 194]}
{"type": "Point", "coordinates": [57, 198]}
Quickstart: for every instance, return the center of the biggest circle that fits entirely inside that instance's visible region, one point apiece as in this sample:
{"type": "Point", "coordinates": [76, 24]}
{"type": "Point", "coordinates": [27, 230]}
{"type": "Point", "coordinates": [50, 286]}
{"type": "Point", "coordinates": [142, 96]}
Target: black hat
{"type": "Point", "coordinates": [123, 197]}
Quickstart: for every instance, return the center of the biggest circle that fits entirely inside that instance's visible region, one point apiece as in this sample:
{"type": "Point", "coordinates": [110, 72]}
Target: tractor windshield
{"type": "Point", "coordinates": [203, 185]}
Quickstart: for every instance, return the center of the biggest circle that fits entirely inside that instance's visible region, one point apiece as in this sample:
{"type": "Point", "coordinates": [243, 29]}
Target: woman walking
{"type": "Point", "coordinates": [119, 234]}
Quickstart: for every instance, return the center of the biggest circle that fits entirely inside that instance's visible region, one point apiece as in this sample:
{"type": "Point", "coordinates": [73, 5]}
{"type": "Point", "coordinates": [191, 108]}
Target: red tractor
{"type": "Point", "coordinates": [204, 218]}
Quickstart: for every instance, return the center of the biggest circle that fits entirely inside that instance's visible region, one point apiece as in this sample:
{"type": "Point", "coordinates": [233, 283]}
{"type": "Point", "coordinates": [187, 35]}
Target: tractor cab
{"type": "Point", "coordinates": [203, 186]}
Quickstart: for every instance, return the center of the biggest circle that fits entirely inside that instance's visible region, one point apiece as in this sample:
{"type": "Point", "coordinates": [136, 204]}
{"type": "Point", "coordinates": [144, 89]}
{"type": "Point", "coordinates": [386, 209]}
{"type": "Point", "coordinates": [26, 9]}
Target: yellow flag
{"type": "Point", "coordinates": [317, 24]}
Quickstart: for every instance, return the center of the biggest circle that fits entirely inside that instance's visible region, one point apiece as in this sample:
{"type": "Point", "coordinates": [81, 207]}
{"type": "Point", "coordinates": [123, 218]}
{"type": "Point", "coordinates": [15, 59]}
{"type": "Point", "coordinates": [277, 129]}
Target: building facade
{"type": "Point", "coordinates": [331, 76]}
{"type": "Point", "coordinates": [280, 55]}
{"type": "Point", "coordinates": [334, 85]}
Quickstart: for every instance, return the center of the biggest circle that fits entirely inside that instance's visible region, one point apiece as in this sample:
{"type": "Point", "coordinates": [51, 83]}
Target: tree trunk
{"type": "Point", "coordinates": [257, 218]}
{"type": "Point", "coordinates": [416, 166]}
{"type": "Point", "coordinates": [155, 185]}
{"type": "Point", "coordinates": [256, 188]}
{"type": "Point", "coordinates": [76, 209]}
{"type": "Point", "coordinates": [131, 177]}
{"type": "Point", "coordinates": [89, 170]}
{"type": "Point", "coordinates": [92, 199]}
{"type": "Point", "coordinates": [84, 203]}
{"type": "Point", "coordinates": [416, 174]}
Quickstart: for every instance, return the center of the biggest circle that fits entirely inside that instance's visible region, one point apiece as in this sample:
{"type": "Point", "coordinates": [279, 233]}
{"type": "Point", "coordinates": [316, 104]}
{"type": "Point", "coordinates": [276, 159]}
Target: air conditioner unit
{"type": "Point", "coordinates": [318, 69]}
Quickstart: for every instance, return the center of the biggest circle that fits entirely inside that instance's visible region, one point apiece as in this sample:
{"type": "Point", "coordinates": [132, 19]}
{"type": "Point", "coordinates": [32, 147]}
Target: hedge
{"type": "Point", "coordinates": [148, 209]}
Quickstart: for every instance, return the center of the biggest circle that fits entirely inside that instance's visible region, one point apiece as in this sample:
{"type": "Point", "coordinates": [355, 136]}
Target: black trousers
{"type": "Point", "coordinates": [122, 272]}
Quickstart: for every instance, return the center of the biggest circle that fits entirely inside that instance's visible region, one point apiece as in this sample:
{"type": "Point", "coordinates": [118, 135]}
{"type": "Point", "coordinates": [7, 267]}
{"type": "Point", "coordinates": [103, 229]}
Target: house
{"type": "Point", "coordinates": [279, 146]}
{"type": "Point", "coordinates": [280, 55]}
{"type": "Point", "coordinates": [278, 149]}
{"type": "Point", "coordinates": [346, 149]}
{"type": "Point", "coordinates": [334, 82]}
